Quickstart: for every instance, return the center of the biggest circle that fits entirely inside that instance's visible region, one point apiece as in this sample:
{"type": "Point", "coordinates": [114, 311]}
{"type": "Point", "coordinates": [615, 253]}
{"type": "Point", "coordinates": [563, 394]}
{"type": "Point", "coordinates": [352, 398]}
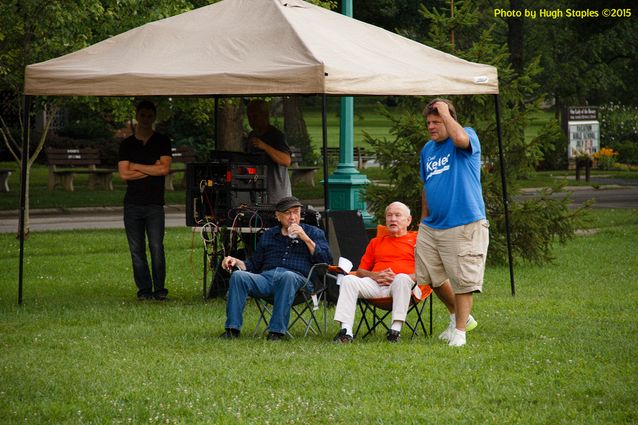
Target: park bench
{"type": "Point", "coordinates": [181, 155]}
{"type": "Point", "coordinates": [5, 173]}
{"type": "Point", "coordinates": [298, 172]}
{"type": "Point", "coordinates": [361, 157]}
{"type": "Point", "coordinates": [64, 164]}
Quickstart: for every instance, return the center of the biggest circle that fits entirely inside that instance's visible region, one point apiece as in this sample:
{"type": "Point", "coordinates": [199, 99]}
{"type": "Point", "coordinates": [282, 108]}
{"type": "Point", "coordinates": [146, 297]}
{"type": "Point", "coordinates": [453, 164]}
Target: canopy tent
{"type": "Point", "coordinates": [243, 47]}
{"type": "Point", "coordinates": [257, 47]}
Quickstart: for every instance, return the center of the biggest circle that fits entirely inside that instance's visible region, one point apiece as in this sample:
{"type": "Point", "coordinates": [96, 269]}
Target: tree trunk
{"type": "Point", "coordinates": [296, 130]}
{"type": "Point", "coordinates": [231, 128]}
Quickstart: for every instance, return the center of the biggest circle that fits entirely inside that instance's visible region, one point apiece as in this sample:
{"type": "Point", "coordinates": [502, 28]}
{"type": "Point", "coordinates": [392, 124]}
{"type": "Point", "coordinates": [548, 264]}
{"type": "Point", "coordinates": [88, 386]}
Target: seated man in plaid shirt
{"type": "Point", "coordinates": [282, 260]}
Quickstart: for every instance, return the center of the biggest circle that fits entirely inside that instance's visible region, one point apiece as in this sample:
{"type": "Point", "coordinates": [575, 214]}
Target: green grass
{"type": "Point", "coordinates": [81, 349]}
{"type": "Point", "coordinates": [366, 118]}
{"type": "Point", "coordinates": [536, 121]}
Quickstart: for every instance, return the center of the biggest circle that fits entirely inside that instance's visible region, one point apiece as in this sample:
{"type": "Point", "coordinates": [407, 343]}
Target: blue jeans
{"type": "Point", "coordinates": [280, 283]}
{"type": "Point", "coordinates": [139, 221]}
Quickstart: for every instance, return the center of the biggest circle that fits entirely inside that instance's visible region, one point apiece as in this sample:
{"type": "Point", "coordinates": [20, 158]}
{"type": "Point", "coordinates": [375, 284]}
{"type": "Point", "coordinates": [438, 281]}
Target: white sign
{"type": "Point", "coordinates": [584, 137]}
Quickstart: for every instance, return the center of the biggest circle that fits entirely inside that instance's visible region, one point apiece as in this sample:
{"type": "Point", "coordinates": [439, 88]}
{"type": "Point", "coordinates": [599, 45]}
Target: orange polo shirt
{"type": "Point", "coordinates": [387, 251]}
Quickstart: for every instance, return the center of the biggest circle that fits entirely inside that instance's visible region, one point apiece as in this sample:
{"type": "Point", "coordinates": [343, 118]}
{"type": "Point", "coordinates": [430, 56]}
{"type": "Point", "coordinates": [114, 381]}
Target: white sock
{"type": "Point", "coordinates": [348, 329]}
{"type": "Point", "coordinates": [396, 325]}
{"type": "Point", "coordinates": [453, 318]}
{"type": "Point", "coordinates": [460, 332]}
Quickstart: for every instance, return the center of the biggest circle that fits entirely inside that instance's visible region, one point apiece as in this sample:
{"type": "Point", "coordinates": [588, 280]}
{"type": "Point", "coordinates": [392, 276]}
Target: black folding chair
{"type": "Point", "coordinates": [380, 308]}
{"type": "Point", "coordinates": [309, 299]}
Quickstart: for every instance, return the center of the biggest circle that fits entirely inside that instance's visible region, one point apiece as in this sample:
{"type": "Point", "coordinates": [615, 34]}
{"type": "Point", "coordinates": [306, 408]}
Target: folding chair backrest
{"type": "Point", "coordinates": [348, 236]}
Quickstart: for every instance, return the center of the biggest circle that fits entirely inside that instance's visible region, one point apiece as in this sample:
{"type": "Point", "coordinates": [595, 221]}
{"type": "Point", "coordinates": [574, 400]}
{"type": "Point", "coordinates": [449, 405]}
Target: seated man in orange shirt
{"type": "Point", "coordinates": [386, 269]}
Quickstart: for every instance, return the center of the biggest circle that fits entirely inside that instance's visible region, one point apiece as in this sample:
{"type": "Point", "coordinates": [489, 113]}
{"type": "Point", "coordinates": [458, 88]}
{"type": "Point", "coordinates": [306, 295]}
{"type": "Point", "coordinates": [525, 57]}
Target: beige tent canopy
{"type": "Point", "coordinates": [258, 47]}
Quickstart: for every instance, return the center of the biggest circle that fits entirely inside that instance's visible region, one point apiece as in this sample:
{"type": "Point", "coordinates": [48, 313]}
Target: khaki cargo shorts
{"type": "Point", "coordinates": [457, 254]}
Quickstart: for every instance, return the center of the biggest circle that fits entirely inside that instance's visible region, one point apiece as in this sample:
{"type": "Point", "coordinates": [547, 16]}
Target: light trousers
{"type": "Point", "coordinates": [353, 288]}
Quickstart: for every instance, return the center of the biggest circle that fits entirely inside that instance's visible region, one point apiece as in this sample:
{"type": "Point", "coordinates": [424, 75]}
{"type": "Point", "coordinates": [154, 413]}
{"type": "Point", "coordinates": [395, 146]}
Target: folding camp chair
{"type": "Point", "coordinates": [380, 308]}
{"type": "Point", "coordinates": [349, 238]}
{"type": "Point", "coordinates": [309, 299]}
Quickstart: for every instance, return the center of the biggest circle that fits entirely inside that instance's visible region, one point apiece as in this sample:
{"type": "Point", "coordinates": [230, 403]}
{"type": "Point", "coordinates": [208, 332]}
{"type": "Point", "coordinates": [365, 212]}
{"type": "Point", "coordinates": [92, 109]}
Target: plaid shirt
{"type": "Point", "coordinates": [276, 250]}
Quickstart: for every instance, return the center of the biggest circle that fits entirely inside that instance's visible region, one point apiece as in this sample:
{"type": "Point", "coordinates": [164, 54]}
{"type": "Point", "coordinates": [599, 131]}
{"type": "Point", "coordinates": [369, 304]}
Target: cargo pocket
{"type": "Point", "coordinates": [471, 268]}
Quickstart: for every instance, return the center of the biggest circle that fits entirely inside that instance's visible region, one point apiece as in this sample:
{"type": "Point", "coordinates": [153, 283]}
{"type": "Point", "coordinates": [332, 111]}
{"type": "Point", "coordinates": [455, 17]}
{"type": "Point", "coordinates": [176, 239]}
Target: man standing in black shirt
{"type": "Point", "coordinates": [144, 159]}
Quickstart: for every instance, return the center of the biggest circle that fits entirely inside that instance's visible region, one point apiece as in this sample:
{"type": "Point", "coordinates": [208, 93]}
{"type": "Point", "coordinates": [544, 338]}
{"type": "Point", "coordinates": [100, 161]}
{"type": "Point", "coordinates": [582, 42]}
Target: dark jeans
{"type": "Point", "coordinates": [139, 221]}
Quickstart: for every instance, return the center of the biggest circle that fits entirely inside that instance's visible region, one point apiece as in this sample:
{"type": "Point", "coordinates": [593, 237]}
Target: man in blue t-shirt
{"type": "Point", "coordinates": [453, 235]}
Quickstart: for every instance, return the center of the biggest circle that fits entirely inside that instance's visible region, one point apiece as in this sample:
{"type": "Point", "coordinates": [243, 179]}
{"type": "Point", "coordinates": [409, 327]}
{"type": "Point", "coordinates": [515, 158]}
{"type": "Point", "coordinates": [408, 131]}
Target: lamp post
{"type": "Point", "coordinates": [347, 183]}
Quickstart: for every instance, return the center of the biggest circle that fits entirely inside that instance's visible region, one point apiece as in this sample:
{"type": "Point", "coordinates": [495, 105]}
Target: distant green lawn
{"type": "Point", "coordinates": [81, 349]}
{"type": "Point", "coordinates": [366, 118]}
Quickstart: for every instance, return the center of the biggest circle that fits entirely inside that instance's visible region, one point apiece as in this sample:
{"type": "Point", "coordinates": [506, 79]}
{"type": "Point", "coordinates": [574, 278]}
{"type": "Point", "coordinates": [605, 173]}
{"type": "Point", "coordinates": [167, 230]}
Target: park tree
{"type": "Point", "coordinates": [477, 37]}
{"type": "Point", "coordinates": [587, 60]}
{"type": "Point", "coordinates": [36, 30]}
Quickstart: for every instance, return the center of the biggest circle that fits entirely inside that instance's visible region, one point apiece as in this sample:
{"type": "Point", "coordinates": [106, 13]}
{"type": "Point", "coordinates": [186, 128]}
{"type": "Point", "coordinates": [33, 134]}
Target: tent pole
{"type": "Point", "coordinates": [324, 154]}
{"type": "Point", "coordinates": [505, 197]}
{"type": "Point", "coordinates": [216, 130]}
{"type": "Point", "coordinates": [23, 188]}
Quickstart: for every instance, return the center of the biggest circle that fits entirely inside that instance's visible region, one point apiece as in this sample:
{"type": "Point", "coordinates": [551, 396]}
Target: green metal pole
{"type": "Point", "coordinates": [347, 183]}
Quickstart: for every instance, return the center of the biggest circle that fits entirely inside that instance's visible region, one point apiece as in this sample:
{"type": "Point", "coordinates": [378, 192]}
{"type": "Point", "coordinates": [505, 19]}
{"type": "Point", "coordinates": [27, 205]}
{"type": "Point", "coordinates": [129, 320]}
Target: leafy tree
{"type": "Point", "coordinates": [36, 30]}
{"type": "Point", "coordinates": [553, 145]}
{"type": "Point", "coordinates": [536, 224]}
{"type": "Point", "coordinates": [619, 130]}
{"type": "Point", "coordinates": [586, 61]}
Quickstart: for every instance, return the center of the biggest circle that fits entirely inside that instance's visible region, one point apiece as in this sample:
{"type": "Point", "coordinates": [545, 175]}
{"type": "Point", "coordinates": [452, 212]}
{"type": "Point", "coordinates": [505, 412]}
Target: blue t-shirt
{"type": "Point", "coordinates": [452, 183]}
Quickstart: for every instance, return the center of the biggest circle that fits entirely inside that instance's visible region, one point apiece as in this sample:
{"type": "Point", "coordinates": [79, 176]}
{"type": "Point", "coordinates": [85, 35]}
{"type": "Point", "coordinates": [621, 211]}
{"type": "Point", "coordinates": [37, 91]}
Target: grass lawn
{"type": "Point", "coordinates": [81, 349]}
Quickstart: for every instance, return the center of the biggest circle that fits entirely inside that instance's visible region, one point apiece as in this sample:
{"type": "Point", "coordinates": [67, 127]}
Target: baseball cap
{"type": "Point", "coordinates": [286, 203]}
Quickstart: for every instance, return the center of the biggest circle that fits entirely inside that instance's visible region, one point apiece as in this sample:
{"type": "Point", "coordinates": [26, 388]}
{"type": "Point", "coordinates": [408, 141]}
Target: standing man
{"type": "Point", "coordinates": [386, 270]}
{"type": "Point", "coordinates": [454, 234]}
{"type": "Point", "coordinates": [268, 139]}
{"type": "Point", "coordinates": [144, 159]}
{"type": "Point", "coordinates": [282, 260]}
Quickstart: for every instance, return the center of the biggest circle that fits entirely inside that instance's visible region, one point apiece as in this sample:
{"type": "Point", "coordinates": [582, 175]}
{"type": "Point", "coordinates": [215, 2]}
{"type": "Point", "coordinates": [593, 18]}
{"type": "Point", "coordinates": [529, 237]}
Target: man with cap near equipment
{"type": "Point", "coordinates": [282, 259]}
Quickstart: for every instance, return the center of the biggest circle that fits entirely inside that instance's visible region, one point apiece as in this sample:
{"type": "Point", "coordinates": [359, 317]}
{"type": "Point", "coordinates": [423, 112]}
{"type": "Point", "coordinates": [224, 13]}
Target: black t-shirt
{"type": "Point", "coordinates": [149, 190]}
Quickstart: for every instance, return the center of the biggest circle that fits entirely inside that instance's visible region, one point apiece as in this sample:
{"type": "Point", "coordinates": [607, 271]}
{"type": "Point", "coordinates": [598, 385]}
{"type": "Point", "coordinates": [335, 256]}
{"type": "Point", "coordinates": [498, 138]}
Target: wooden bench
{"type": "Point", "coordinates": [65, 163]}
{"type": "Point", "coordinates": [181, 155]}
{"type": "Point", "coordinates": [299, 173]}
{"type": "Point", "coordinates": [361, 157]}
{"type": "Point", "coordinates": [5, 173]}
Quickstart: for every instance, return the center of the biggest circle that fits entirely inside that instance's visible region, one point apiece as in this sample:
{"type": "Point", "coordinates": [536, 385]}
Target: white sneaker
{"type": "Point", "coordinates": [447, 333]}
{"type": "Point", "coordinates": [457, 339]}
{"type": "Point", "coordinates": [470, 324]}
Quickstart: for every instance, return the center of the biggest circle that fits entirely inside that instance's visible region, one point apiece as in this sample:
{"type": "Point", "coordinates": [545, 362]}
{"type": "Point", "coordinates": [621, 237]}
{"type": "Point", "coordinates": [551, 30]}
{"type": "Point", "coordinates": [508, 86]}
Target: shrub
{"type": "Point", "coordinates": [619, 131]}
{"type": "Point", "coordinates": [605, 158]}
{"type": "Point", "coordinates": [553, 145]}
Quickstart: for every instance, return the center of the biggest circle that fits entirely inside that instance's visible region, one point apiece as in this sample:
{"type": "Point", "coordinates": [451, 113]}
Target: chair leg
{"type": "Point", "coordinates": [363, 307]}
{"type": "Point", "coordinates": [264, 313]}
{"type": "Point", "coordinates": [377, 319]}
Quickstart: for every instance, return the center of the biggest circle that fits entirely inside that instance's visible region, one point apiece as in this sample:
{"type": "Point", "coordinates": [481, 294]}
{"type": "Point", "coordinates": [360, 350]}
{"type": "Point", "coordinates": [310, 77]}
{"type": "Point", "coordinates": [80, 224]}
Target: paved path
{"type": "Point", "coordinates": [92, 218]}
{"type": "Point", "coordinates": [82, 218]}
{"type": "Point", "coordinates": [621, 194]}
{"type": "Point", "coordinates": [604, 196]}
